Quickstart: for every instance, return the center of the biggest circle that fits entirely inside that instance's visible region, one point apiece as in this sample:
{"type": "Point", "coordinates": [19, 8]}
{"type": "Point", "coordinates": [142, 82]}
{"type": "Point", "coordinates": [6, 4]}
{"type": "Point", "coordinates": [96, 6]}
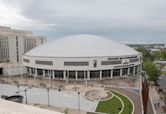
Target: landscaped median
{"type": "Point", "coordinates": [118, 104]}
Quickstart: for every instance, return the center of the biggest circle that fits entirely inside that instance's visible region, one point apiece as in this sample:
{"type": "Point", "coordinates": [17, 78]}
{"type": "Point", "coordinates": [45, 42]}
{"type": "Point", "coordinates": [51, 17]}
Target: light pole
{"type": "Point", "coordinates": [78, 101]}
{"type": "Point", "coordinates": [75, 85]}
{"type": "Point", "coordinates": [26, 99]}
{"type": "Point", "coordinates": [48, 96]}
{"type": "Point", "coordinates": [18, 89]}
{"type": "Point", "coordinates": [8, 74]}
{"type": "Point", "coordinates": [51, 81]}
{"type": "Point", "coordinates": [21, 69]}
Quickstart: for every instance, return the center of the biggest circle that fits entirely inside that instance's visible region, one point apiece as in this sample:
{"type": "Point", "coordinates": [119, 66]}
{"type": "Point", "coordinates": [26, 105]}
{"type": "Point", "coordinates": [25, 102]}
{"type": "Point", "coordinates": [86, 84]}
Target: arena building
{"type": "Point", "coordinates": [82, 57]}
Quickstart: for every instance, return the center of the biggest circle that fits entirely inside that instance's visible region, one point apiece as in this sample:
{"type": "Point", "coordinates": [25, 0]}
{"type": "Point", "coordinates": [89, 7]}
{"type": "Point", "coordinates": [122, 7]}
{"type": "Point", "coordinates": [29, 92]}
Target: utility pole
{"type": "Point", "coordinates": [78, 101]}
{"type": "Point", "coordinates": [48, 96]}
{"type": "Point", "coordinates": [26, 100]}
{"type": "Point", "coordinates": [18, 89]}
{"type": "Point", "coordinates": [51, 80]}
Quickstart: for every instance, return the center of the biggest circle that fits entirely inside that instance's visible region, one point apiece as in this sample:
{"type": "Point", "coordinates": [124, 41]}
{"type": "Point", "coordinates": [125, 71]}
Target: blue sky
{"type": "Point", "coordinates": [128, 21]}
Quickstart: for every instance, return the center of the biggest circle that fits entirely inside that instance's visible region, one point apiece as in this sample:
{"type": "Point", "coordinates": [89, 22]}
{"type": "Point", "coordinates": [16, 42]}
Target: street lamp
{"type": "Point", "coordinates": [18, 89]}
{"type": "Point", "coordinates": [51, 81]}
{"type": "Point", "coordinates": [26, 100]}
{"type": "Point", "coordinates": [48, 96]}
{"type": "Point", "coordinates": [25, 90]}
{"type": "Point", "coordinates": [75, 85]}
{"type": "Point", "coordinates": [78, 101]}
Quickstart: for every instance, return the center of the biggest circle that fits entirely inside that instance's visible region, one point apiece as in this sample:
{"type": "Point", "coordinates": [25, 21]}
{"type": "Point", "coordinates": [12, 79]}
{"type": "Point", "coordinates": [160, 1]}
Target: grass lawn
{"type": "Point", "coordinates": [127, 104]}
{"type": "Point", "coordinates": [113, 106]}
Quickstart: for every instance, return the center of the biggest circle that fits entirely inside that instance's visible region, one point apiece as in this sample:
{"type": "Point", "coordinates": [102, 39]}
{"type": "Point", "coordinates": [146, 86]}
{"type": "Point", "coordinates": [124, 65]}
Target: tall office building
{"type": "Point", "coordinates": [14, 43]}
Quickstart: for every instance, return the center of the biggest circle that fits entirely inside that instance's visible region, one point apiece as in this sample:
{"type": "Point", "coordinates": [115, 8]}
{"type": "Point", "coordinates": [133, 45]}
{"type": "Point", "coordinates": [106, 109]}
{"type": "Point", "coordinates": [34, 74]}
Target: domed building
{"type": "Point", "coordinates": [82, 57]}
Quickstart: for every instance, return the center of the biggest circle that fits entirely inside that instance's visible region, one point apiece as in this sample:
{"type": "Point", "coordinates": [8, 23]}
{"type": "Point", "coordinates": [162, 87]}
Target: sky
{"type": "Point", "coordinates": [127, 21]}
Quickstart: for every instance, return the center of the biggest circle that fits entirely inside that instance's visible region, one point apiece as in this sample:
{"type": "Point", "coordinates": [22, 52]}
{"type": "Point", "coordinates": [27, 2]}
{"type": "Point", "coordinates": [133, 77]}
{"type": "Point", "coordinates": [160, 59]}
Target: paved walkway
{"type": "Point", "coordinates": [65, 99]}
{"type": "Point", "coordinates": [155, 99]}
{"type": "Point", "coordinates": [134, 97]}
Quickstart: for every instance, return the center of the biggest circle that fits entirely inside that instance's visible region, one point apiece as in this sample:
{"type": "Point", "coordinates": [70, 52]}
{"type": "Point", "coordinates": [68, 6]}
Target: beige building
{"type": "Point", "coordinates": [14, 43]}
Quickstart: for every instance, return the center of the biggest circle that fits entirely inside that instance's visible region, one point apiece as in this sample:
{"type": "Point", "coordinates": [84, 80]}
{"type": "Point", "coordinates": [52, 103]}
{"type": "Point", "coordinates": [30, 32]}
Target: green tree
{"type": "Point", "coordinates": [145, 53]}
{"type": "Point", "coordinates": [151, 70]}
{"type": "Point", "coordinates": [160, 55]}
{"type": "Point", "coordinates": [157, 55]}
{"type": "Point", "coordinates": [163, 54]}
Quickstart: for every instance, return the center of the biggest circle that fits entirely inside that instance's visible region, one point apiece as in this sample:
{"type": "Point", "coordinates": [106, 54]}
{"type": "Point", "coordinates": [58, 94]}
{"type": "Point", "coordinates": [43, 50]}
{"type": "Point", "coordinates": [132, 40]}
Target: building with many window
{"type": "Point", "coordinates": [14, 43]}
{"type": "Point", "coordinates": [82, 57]}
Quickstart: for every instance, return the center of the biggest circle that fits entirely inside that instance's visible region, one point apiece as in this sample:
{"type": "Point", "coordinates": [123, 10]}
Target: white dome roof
{"type": "Point", "coordinates": [81, 46]}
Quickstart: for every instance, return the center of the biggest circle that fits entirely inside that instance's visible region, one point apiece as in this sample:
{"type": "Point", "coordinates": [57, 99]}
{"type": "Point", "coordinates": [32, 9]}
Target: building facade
{"type": "Point", "coordinates": [82, 57]}
{"type": "Point", "coordinates": [14, 43]}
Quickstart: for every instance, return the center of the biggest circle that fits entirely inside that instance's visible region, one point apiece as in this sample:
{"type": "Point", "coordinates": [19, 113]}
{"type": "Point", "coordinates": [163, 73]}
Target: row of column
{"type": "Point", "coordinates": [51, 73]}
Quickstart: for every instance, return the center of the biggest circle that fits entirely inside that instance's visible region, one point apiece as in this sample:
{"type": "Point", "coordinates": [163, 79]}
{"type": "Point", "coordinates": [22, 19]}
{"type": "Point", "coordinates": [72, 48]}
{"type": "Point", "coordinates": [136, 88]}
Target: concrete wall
{"type": "Point", "coordinates": [58, 63]}
{"type": "Point", "coordinates": [150, 107]}
{"type": "Point", "coordinates": [13, 71]}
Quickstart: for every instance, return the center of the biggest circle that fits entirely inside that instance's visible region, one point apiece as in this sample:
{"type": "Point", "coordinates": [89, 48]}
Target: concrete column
{"type": "Point", "coordinates": [67, 77]}
{"type": "Point", "coordinates": [49, 74]}
{"type": "Point", "coordinates": [35, 72]}
{"type": "Point", "coordinates": [53, 74]}
{"type": "Point", "coordinates": [111, 75]}
{"type": "Point", "coordinates": [85, 78]}
{"type": "Point", "coordinates": [88, 75]}
{"type": "Point", "coordinates": [64, 75]}
{"type": "Point", "coordinates": [138, 70]}
{"type": "Point", "coordinates": [100, 74]}
{"type": "Point", "coordinates": [134, 71]}
{"type": "Point", "coordinates": [121, 72]}
{"type": "Point", "coordinates": [84, 75]}
{"type": "Point", "coordinates": [44, 75]}
{"type": "Point", "coordinates": [76, 75]}
{"type": "Point", "coordinates": [140, 67]}
{"type": "Point", "coordinates": [128, 71]}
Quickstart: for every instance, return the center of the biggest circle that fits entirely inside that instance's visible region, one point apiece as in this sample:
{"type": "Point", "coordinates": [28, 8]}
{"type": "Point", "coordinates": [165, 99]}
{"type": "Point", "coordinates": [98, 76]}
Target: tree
{"type": "Point", "coordinates": [160, 55]}
{"type": "Point", "coordinates": [163, 54]}
{"type": "Point", "coordinates": [151, 70]}
{"type": "Point", "coordinates": [146, 54]}
{"type": "Point", "coordinates": [157, 55]}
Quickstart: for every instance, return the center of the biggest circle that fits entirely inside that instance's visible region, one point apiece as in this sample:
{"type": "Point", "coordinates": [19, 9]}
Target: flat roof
{"type": "Point", "coordinates": [9, 107]}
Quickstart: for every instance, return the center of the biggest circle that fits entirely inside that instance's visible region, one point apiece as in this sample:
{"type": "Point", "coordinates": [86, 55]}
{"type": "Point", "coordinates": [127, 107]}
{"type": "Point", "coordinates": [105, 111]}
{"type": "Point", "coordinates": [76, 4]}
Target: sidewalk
{"type": "Point", "coordinates": [155, 99]}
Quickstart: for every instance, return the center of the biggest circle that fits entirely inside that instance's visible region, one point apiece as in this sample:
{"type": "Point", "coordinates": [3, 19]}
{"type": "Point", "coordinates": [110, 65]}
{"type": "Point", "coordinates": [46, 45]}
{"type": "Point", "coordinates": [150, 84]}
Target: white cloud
{"type": "Point", "coordinates": [12, 16]}
{"type": "Point", "coordinates": [129, 20]}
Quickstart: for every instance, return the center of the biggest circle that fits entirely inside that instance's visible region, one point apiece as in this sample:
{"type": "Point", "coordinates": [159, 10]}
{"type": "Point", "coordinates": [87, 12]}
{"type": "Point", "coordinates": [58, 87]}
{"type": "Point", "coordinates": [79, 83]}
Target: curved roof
{"type": "Point", "coordinates": [81, 46]}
